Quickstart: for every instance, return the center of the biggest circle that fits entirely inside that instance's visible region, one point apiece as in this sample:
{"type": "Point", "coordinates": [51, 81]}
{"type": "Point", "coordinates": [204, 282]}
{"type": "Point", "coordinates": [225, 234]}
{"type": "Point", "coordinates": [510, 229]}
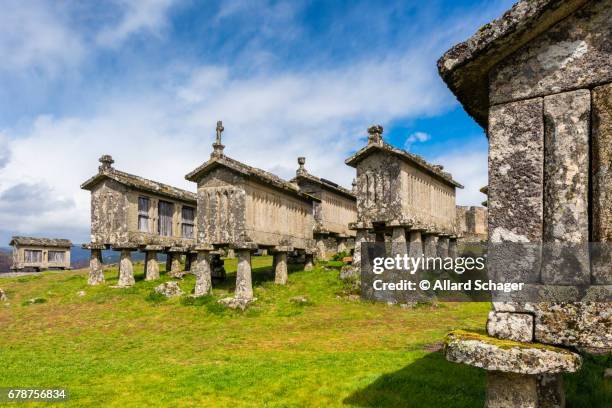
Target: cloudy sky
{"type": "Point", "coordinates": [146, 81]}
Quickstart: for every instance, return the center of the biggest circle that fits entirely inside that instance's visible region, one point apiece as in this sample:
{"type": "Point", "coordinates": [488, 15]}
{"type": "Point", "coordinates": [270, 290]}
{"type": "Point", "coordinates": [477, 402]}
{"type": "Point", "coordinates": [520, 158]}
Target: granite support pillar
{"type": "Point", "coordinates": [96, 272]}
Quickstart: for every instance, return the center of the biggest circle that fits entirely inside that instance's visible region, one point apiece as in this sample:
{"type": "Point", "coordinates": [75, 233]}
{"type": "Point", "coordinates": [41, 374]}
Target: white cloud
{"type": "Point", "coordinates": [5, 153]}
{"type": "Point", "coordinates": [416, 137]}
{"type": "Point", "coordinates": [35, 34]}
{"type": "Point", "coordinates": [138, 16]}
{"type": "Point", "coordinates": [468, 167]}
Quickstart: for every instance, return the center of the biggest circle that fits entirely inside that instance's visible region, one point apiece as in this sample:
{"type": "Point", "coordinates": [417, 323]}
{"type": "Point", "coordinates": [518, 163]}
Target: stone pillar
{"type": "Point", "coordinates": [203, 272]}
{"type": "Point", "coordinates": [175, 263]}
{"type": "Point", "coordinates": [308, 265]}
{"type": "Point", "coordinates": [280, 271]}
{"type": "Point", "coordinates": [244, 284]}
{"type": "Point", "coordinates": [506, 390]}
{"type": "Point", "coordinates": [151, 266]}
{"type": "Point", "coordinates": [188, 261]}
{"type": "Point", "coordinates": [398, 241]}
{"type": "Point", "coordinates": [96, 272]}
{"type": "Point", "coordinates": [430, 245]}
{"type": "Point", "coordinates": [443, 246]}
{"type": "Point", "coordinates": [362, 236]}
{"type": "Point", "coordinates": [168, 262]}
{"type": "Point", "coordinates": [452, 247]}
{"type": "Point", "coordinates": [321, 250]}
{"type": "Point", "coordinates": [126, 269]}
{"type": "Point", "coordinates": [231, 253]}
{"type": "Point", "coordinates": [341, 244]}
{"type": "Point", "coordinates": [416, 244]}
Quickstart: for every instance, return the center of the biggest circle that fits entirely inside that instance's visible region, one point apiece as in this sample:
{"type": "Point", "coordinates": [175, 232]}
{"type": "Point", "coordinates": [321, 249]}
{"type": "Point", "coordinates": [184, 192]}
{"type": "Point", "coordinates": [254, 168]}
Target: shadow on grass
{"type": "Point", "coordinates": [259, 276]}
{"type": "Point", "coordinates": [430, 381]}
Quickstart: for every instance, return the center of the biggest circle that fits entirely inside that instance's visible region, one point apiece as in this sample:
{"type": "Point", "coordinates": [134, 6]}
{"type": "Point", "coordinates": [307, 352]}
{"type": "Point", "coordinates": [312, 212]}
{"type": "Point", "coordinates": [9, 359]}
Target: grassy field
{"type": "Point", "coordinates": [129, 348]}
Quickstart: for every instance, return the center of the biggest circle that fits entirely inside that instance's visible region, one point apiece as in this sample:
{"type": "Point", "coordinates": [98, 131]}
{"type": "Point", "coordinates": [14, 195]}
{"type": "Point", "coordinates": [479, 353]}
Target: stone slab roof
{"type": "Point", "coordinates": [408, 157]}
{"type": "Point", "coordinates": [466, 66]}
{"type": "Point", "coordinates": [248, 171]}
{"type": "Point", "coordinates": [325, 184]}
{"type": "Point", "coordinates": [140, 183]}
{"type": "Point", "coordinates": [44, 242]}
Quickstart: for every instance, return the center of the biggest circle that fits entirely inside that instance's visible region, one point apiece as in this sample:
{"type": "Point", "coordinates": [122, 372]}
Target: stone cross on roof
{"type": "Point", "coordinates": [301, 169]}
{"type": "Point", "coordinates": [107, 162]}
{"type": "Point", "coordinates": [375, 134]}
{"type": "Point", "coordinates": [218, 146]}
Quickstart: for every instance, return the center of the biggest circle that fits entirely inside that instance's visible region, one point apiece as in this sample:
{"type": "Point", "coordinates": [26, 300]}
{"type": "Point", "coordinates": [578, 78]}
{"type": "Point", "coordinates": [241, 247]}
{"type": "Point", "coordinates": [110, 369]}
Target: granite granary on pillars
{"type": "Point", "coordinates": [334, 212]}
{"type": "Point", "coordinates": [403, 199]}
{"type": "Point", "coordinates": [130, 213]}
{"type": "Point", "coordinates": [472, 223]}
{"type": "Point", "coordinates": [40, 253]}
{"type": "Point", "coordinates": [246, 208]}
{"type": "Point", "coordinates": [539, 81]}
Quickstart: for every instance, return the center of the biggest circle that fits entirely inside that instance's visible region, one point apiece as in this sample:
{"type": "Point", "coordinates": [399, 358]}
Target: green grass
{"type": "Point", "coordinates": [131, 348]}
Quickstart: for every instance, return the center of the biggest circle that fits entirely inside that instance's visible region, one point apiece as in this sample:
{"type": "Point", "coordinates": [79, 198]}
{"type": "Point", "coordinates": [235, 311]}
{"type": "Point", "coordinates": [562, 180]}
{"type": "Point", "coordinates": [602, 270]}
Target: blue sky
{"type": "Point", "coordinates": [146, 81]}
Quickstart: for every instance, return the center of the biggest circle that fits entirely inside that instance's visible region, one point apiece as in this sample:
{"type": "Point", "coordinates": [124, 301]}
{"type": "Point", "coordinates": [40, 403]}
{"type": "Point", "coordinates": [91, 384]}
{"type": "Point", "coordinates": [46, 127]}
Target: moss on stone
{"type": "Point", "coordinates": [501, 343]}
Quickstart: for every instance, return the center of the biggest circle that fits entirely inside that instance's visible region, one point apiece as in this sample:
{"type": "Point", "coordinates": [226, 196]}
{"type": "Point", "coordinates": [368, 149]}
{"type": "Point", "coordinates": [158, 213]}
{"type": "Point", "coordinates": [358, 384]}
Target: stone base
{"type": "Point", "coordinates": [236, 303]}
{"type": "Point", "coordinates": [169, 289]}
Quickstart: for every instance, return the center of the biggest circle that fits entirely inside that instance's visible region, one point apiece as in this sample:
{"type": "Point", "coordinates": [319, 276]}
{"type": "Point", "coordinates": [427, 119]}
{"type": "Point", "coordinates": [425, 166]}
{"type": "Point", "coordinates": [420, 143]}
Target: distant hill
{"type": "Point", "coordinates": [5, 259]}
{"type": "Point", "coordinates": [79, 257]}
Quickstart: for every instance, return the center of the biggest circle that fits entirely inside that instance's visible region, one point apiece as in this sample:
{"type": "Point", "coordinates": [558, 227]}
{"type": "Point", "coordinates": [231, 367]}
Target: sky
{"type": "Point", "coordinates": [146, 80]}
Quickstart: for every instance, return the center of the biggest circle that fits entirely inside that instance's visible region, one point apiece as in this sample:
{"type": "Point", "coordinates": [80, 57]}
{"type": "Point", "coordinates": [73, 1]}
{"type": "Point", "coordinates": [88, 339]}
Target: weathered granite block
{"type": "Point", "coordinates": [516, 160]}
{"type": "Point", "coordinates": [508, 356]}
{"type": "Point", "coordinates": [399, 245]}
{"type": "Point", "coordinates": [511, 326]}
{"type": "Point", "coordinates": [430, 243]}
{"type": "Point", "coordinates": [244, 283]}
{"type": "Point", "coordinates": [601, 176]}
{"type": "Point", "coordinates": [578, 324]}
{"type": "Point", "coordinates": [442, 249]}
{"type": "Point", "coordinates": [280, 270]}
{"type": "Point", "coordinates": [550, 391]}
{"type": "Point", "coordinates": [566, 186]}
{"type": "Point", "coordinates": [126, 270]}
{"type": "Point", "coordinates": [415, 249]}
{"type": "Point", "coordinates": [203, 274]}
{"type": "Point", "coordinates": [151, 266]}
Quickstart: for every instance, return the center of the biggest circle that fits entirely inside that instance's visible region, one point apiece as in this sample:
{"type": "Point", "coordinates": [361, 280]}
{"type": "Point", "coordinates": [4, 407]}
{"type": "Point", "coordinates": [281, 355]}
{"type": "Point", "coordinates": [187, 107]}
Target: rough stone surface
{"type": "Point", "coordinates": [398, 241]}
{"type": "Point", "coordinates": [96, 273]}
{"type": "Point", "coordinates": [299, 299]}
{"type": "Point", "coordinates": [237, 303]}
{"type": "Point", "coordinates": [280, 270]}
{"type": "Point", "coordinates": [169, 289]}
{"type": "Point", "coordinates": [244, 284]}
{"type": "Point", "coordinates": [126, 270]}
{"type": "Point", "coordinates": [566, 174]}
{"type": "Point", "coordinates": [442, 249]}
{"type": "Point", "coordinates": [550, 391]}
{"type": "Point", "coordinates": [471, 223]}
{"type": "Point", "coordinates": [175, 265]}
{"type": "Point", "coordinates": [151, 266]}
{"type": "Point", "coordinates": [203, 275]}
{"type": "Point", "coordinates": [516, 153]}
{"type": "Point", "coordinates": [508, 356]}
{"type": "Point", "coordinates": [601, 174]}
{"type": "Point", "coordinates": [416, 245]}
{"type": "Point", "coordinates": [510, 326]}
{"type": "Point", "coordinates": [582, 324]}
{"type": "Point", "coordinates": [573, 54]}
{"type": "Point", "coordinates": [452, 248]}
{"type": "Point", "coordinates": [430, 245]}
{"type": "Point", "coordinates": [3, 297]}
{"type": "Point", "coordinates": [510, 390]}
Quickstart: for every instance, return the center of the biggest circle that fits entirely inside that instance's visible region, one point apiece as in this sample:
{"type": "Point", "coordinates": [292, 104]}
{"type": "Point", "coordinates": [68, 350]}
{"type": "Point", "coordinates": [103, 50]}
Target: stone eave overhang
{"type": "Point", "coordinates": [141, 184]}
{"type": "Point", "coordinates": [249, 172]}
{"type": "Point", "coordinates": [335, 189]}
{"type": "Point", "coordinates": [405, 156]}
{"type": "Point", "coordinates": [465, 67]}
{"type": "Point", "coordinates": [41, 242]}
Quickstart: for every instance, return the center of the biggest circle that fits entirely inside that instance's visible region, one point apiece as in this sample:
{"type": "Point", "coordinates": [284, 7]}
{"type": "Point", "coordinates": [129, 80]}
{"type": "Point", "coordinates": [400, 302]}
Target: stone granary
{"type": "Point", "coordinates": [539, 81]}
{"type": "Point", "coordinates": [471, 223]}
{"type": "Point", "coordinates": [40, 253]}
{"type": "Point", "coordinates": [246, 208]}
{"type": "Point", "coordinates": [332, 215]}
{"type": "Point", "coordinates": [401, 196]}
{"type": "Point", "coordinates": [130, 213]}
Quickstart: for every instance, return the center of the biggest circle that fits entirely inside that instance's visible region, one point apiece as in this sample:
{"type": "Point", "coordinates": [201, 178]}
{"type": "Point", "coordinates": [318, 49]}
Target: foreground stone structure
{"type": "Point", "coordinates": [40, 253]}
{"type": "Point", "coordinates": [471, 223]}
{"type": "Point", "coordinates": [334, 212]}
{"type": "Point", "coordinates": [245, 208]}
{"type": "Point", "coordinates": [539, 80]}
{"type": "Point", "coordinates": [402, 199]}
{"type": "Point", "coordinates": [131, 213]}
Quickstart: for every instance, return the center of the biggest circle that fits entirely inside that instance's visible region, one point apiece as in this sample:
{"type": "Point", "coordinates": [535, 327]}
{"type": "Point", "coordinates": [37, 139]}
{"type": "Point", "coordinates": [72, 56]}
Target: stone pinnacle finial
{"type": "Point", "coordinates": [375, 134]}
{"type": "Point", "coordinates": [218, 146]}
{"type": "Point", "coordinates": [301, 161]}
{"type": "Point", "coordinates": [107, 162]}
{"type": "Point", "coordinates": [354, 184]}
